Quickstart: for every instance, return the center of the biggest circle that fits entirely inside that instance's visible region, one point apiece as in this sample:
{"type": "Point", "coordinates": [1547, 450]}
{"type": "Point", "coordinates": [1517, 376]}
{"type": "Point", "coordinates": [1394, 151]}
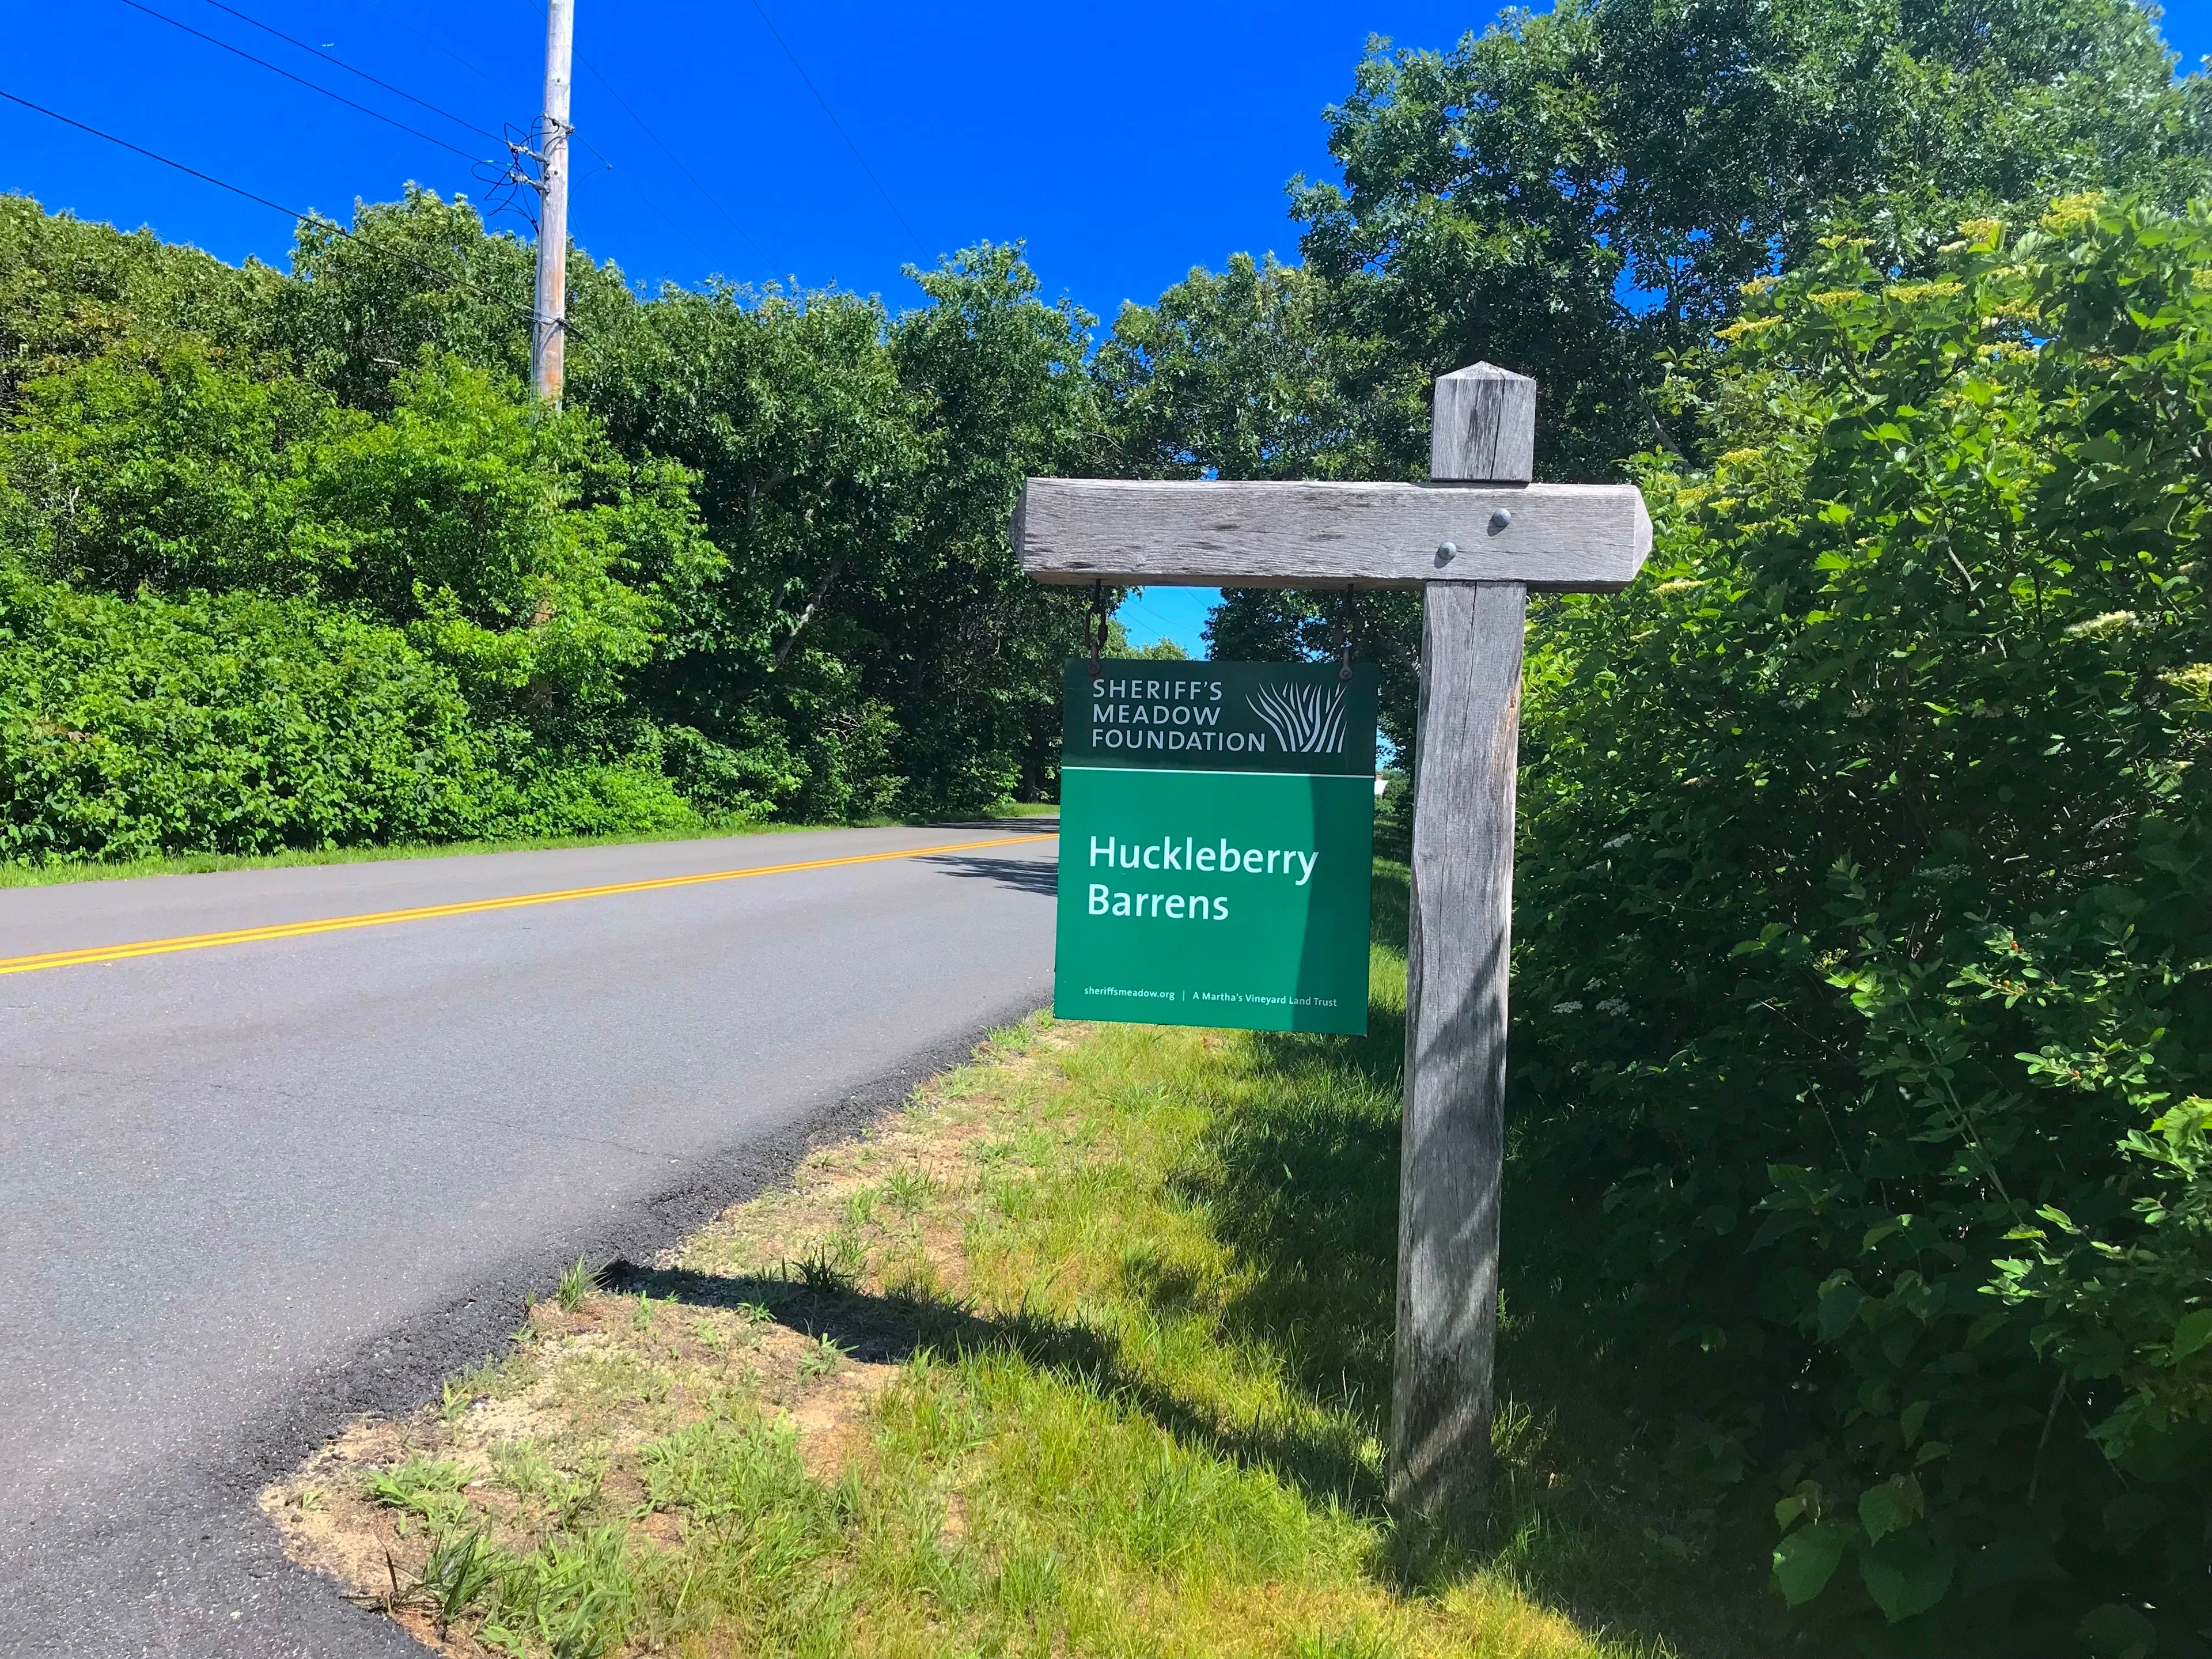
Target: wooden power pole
{"type": "Point", "coordinates": [550, 316]}
{"type": "Point", "coordinates": [1474, 539]}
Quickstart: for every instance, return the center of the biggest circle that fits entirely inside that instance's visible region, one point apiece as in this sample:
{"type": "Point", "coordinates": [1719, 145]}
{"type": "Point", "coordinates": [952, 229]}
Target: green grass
{"type": "Point", "coordinates": [193, 864]}
{"type": "Point", "coordinates": [1087, 1354]}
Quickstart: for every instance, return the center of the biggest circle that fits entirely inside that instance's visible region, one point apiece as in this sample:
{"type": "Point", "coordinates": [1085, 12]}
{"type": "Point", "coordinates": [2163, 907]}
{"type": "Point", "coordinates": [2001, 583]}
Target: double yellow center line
{"type": "Point", "coordinates": [158, 947]}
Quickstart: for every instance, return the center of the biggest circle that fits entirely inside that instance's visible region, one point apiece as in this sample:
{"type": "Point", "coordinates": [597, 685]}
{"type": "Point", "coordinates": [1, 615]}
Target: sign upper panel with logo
{"type": "Point", "coordinates": [1217, 836]}
{"type": "Point", "coordinates": [1222, 716]}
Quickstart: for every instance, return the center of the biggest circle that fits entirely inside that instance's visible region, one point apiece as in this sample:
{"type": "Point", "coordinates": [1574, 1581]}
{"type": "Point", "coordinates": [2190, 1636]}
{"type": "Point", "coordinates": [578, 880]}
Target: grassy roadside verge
{"type": "Point", "coordinates": [193, 864]}
{"type": "Point", "coordinates": [1086, 1353]}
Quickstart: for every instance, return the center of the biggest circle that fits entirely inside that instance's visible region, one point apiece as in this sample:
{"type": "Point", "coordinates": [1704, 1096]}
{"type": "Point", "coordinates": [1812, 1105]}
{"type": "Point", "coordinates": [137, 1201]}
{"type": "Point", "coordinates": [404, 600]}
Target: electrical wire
{"type": "Point", "coordinates": [150, 156]}
{"type": "Point", "coordinates": [920, 247]}
{"type": "Point", "coordinates": [416, 132]}
{"type": "Point", "coordinates": [434, 44]}
{"type": "Point", "coordinates": [321, 220]}
{"type": "Point", "coordinates": [607, 86]}
{"type": "Point", "coordinates": [397, 91]}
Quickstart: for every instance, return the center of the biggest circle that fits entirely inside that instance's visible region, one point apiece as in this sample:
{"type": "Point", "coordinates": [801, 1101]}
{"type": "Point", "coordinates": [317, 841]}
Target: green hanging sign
{"type": "Point", "coordinates": [1217, 837]}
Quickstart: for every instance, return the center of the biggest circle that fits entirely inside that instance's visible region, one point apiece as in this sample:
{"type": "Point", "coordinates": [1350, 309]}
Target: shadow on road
{"type": "Point", "coordinates": [1026, 875]}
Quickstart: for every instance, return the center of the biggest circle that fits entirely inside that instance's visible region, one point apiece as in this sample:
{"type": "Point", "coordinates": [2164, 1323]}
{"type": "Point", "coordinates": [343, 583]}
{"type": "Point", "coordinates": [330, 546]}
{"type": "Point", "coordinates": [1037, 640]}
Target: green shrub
{"type": "Point", "coordinates": [1862, 979]}
{"type": "Point", "coordinates": [237, 723]}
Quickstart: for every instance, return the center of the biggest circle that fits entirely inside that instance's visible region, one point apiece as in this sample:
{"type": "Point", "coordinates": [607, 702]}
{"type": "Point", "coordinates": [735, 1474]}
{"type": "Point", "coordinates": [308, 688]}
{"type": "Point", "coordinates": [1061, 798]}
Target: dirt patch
{"type": "Point", "coordinates": [786, 1314]}
{"type": "Point", "coordinates": [833, 1421]}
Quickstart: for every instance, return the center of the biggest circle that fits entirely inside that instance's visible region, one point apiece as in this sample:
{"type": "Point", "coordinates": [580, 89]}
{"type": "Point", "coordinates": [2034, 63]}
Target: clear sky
{"type": "Point", "coordinates": [1124, 142]}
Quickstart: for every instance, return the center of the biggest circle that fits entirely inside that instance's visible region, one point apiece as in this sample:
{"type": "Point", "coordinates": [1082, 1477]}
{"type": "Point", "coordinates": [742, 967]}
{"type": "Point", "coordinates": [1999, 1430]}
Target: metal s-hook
{"type": "Point", "coordinates": [1348, 628]}
{"type": "Point", "coordinates": [1094, 625]}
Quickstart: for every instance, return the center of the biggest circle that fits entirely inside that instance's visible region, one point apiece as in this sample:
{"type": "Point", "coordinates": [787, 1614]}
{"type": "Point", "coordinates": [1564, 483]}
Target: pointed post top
{"type": "Point", "coordinates": [1484, 428]}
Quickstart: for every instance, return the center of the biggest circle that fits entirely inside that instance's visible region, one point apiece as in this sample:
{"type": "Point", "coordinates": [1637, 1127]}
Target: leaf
{"type": "Point", "coordinates": [1840, 1302]}
{"type": "Point", "coordinates": [1807, 1558]}
{"type": "Point", "coordinates": [1910, 1419]}
{"type": "Point", "coordinates": [1894, 1505]}
{"type": "Point", "coordinates": [2115, 1630]}
{"type": "Point", "coordinates": [1905, 1575]}
{"type": "Point", "coordinates": [2191, 1332]}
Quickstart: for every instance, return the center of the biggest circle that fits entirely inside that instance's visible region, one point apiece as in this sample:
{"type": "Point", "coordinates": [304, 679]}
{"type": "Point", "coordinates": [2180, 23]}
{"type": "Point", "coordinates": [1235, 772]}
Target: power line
{"type": "Point", "coordinates": [609, 89]}
{"type": "Point", "coordinates": [920, 245]}
{"type": "Point", "coordinates": [607, 86]}
{"type": "Point", "coordinates": [438, 45]}
{"type": "Point", "coordinates": [372, 114]}
{"type": "Point", "coordinates": [396, 92]}
{"type": "Point", "coordinates": [434, 44]}
{"type": "Point", "coordinates": [311, 217]}
{"type": "Point", "coordinates": [150, 156]}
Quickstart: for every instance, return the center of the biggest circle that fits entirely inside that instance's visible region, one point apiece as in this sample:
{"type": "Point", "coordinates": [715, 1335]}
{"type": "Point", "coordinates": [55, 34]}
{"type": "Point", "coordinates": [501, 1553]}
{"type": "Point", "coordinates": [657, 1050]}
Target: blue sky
{"type": "Point", "coordinates": [1124, 142]}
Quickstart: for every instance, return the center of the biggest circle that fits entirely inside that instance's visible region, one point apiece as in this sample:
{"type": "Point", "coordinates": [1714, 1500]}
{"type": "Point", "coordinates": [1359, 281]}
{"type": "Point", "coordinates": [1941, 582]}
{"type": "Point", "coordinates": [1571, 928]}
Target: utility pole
{"type": "Point", "coordinates": [550, 316]}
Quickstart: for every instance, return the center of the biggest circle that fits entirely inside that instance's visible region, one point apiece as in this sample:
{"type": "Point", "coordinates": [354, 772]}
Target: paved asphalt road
{"type": "Point", "coordinates": [246, 1192]}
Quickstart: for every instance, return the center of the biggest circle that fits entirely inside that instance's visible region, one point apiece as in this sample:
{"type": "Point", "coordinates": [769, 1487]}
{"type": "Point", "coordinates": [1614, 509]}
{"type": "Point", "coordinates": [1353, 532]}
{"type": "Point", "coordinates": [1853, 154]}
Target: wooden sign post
{"type": "Point", "coordinates": [1475, 539]}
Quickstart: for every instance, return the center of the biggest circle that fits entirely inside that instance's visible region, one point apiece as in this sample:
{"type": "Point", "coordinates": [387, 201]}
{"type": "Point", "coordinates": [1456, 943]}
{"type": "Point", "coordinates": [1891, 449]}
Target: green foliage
{"type": "Point", "coordinates": [973, 645]}
{"type": "Point", "coordinates": [758, 565]}
{"type": "Point", "coordinates": [231, 723]}
{"type": "Point", "coordinates": [71, 290]}
{"type": "Point", "coordinates": [1863, 978]}
{"type": "Point", "coordinates": [1578, 195]}
{"type": "Point", "coordinates": [1497, 195]}
{"type": "Point", "coordinates": [576, 1280]}
{"type": "Point", "coordinates": [170, 470]}
{"type": "Point", "coordinates": [516, 545]}
{"type": "Point", "coordinates": [1247, 375]}
{"type": "Point", "coordinates": [428, 1487]}
{"type": "Point", "coordinates": [407, 276]}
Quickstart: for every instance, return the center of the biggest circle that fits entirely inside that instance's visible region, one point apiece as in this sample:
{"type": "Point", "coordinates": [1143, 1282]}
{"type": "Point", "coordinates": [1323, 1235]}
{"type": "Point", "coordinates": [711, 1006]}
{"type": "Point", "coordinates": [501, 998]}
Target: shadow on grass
{"type": "Point", "coordinates": [887, 1330]}
{"type": "Point", "coordinates": [1299, 1177]}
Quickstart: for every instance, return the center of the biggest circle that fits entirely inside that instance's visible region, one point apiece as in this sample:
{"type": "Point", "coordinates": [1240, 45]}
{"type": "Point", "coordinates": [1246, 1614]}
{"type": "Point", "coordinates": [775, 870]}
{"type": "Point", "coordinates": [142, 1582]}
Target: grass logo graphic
{"type": "Point", "coordinates": [1305, 719]}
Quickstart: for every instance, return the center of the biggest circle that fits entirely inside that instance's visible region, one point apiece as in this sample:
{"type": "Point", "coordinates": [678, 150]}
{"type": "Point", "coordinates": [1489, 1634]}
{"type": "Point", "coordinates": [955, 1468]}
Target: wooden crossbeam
{"type": "Point", "coordinates": [1477, 540]}
{"type": "Point", "coordinates": [1222, 534]}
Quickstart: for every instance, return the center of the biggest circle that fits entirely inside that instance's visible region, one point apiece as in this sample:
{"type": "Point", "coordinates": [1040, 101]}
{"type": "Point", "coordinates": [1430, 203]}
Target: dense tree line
{"type": "Point", "coordinates": [1579, 195]}
{"type": "Point", "coordinates": [287, 558]}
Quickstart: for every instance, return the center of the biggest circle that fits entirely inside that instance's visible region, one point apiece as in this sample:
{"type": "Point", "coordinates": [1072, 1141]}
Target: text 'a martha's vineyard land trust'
{"type": "Point", "coordinates": [1217, 829]}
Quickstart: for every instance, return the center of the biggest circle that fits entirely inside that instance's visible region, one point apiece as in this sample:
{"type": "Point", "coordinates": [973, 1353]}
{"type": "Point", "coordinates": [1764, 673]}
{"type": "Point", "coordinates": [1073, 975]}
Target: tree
{"type": "Point", "coordinates": [806, 453]}
{"type": "Point", "coordinates": [70, 291]}
{"type": "Point", "coordinates": [1579, 196]}
{"type": "Point", "coordinates": [972, 645]}
{"type": "Point", "coordinates": [1859, 942]}
{"type": "Point", "coordinates": [367, 299]}
{"type": "Point", "coordinates": [1244, 375]}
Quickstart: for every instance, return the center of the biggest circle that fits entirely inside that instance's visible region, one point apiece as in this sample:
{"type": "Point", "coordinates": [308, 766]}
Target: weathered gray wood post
{"type": "Point", "coordinates": [1459, 944]}
{"type": "Point", "coordinates": [1476, 539]}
